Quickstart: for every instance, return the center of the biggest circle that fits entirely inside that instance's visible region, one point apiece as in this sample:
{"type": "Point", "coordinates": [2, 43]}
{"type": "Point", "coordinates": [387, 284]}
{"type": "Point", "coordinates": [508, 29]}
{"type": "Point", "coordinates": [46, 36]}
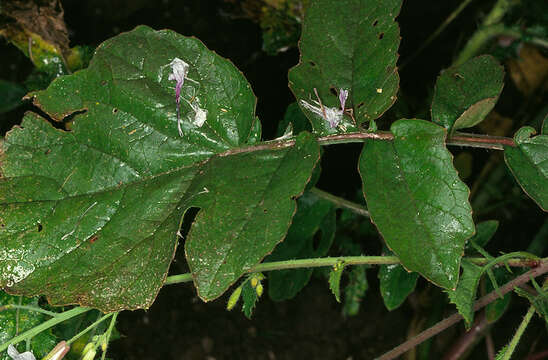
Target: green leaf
{"type": "Point", "coordinates": [465, 293]}
{"type": "Point", "coordinates": [466, 93]}
{"type": "Point", "coordinates": [249, 299]}
{"type": "Point", "coordinates": [40, 344]}
{"type": "Point", "coordinates": [355, 290]}
{"type": "Point", "coordinates": [351, 45]}
{"type": "Point", "coordinates": [396, 284]}
{"type": "Point", "coordinates": [315, 218]}
{"type": "Point", "coordinates": [528, 162]}
{"type": "Point", "coordinates": [484, 232]}
{"type": "Point", "coordinates": [10, 95]}
{"type": "Point", "coordinates": [417, 200]}
{"type": "Point", "coordinates": [335, 280]}
{"type": "Point", "coordinates": [243, 220]}
{"type": "Point", "coordinates": [90, 216]}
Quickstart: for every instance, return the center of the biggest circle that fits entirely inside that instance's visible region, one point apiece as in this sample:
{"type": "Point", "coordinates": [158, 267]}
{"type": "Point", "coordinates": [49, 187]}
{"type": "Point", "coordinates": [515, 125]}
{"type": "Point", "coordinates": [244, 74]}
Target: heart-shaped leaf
{"type": "Point", "coordinates": [347, 45]}
{"type": "Point", "coordinates": [90, 215]}
{"type": "Point", "coordinates": [417, 200]}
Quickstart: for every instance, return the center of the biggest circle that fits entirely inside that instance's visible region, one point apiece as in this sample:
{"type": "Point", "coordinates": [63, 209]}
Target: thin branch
{"type": "Point", "coordinates": [458, 139]}
{"type": "Point", "coordinates": [340, 202]}
{"type": "Point", "coordinates": [354, 260]}
{"type": "Point", "coordinates": [455, 318]}
{"type": "Point", "coordinates": [517, 336]}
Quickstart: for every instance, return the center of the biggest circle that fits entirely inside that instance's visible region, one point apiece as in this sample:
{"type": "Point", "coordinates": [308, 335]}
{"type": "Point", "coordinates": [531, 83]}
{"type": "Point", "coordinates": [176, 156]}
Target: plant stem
{"type": "Point", "coordinates": [108, 333]}
{"type": "Point", "coordinates": [340, 202]}
{"type": "Point", "coordinates": [455, 318]}
{"type": "Point", "coordinates": [359, 260]}
{"type": "Point", "coordinates": [28, 308]}
{"type": "Point", "coordinates": [59, 318]}
{"type": "Point", "coordinates": [90, 327]}
{"type": "Point", "coordinates": [515, 339]}
{"type": "Point", "coordinates": [490, 27]}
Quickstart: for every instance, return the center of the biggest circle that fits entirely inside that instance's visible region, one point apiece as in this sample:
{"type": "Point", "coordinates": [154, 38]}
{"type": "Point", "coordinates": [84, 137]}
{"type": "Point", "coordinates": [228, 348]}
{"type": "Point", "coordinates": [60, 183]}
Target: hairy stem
{"type": "Point", "coordinates": [359, 260]}
{"type": "Point", "coordinates": [521, 329]}
{"type": "Point", "coordinates": [340, 202]}
{"type": "Point", "coordinates": [455, 318]}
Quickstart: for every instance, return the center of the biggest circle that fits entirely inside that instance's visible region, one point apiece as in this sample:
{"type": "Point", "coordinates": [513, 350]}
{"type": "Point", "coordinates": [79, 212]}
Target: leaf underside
{"type": "Point", "coordinates": [465, 94]}
{"type": "Point", "coordinates": [417, 201]}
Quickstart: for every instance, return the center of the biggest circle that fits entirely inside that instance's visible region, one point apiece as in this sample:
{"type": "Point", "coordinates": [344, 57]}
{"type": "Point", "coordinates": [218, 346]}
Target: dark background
{"type": "Point", "coordinates": [179, 325]}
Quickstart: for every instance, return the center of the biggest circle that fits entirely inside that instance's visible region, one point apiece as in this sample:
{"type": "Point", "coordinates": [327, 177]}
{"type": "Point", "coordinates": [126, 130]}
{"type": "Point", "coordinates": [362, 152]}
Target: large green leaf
{"type": "Point", "coordinates": [465, 293]}
{"type": "Point", "coordinates": [314, 217]}
{"type": "Point", "coordinates": [13, 322]}
{"type": "Point", "coordinates": [529, 164]}
{"type": "Point", "coordinates": [417, 200]}
{"type": "Point", "coordinates": [350, 45]}
{"type": "Point", "coordinates": [90, 216]}
{"type": "Point", "coordinates": [465, 94]}
{"type": "Point", "coordinates": [247, 210]}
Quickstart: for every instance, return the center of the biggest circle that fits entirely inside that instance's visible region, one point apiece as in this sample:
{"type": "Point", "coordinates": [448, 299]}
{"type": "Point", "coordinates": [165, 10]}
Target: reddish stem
{"type": "Point", "coordinates": [455, 318]}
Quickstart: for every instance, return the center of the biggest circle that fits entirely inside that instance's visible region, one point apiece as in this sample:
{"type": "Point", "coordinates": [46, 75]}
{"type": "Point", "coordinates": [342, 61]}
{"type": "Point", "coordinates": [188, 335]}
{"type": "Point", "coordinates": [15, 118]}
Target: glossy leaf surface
{"type": "Point", "coordinates": [528, 161]}
{"type": "Point", "coordinates": [351, 45]}
{"type": "Point", "coordinates": [90, 216]}
{"type": "Point", "coordinates": [417, 200]}
{"type": "Point", "coordinates": [465, 94]}
{"type": "Point", "coordinates": [313, 223]}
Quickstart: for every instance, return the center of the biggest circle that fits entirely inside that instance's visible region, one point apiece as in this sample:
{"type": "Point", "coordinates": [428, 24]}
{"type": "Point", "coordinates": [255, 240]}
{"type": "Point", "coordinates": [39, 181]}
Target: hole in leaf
{"type": "Point", "coordinates": [333, 90]}
{"type": "Point", "coordinates": [312, 63]}
{"type": "Point", "coordinates": [2, 225]}
{"type": "Point", "coordinates": [360, 105]}
{"type": "Point", "coordinates": [103, 82]}
{"type": "Point", "coordinates": [40, 227]}
{"type": "Point", "coordinates": [188, 220]}
{"type": "Point", "coordinates": [114, 111]}
{"type": "Point", "coordinates": [375, 22]}
{"type": "Point", "coordinates": [265, 211]}
{"type": "Point", "coordinates": [316, 240]}
{"type": "Point", "coordinates": [381, 35]}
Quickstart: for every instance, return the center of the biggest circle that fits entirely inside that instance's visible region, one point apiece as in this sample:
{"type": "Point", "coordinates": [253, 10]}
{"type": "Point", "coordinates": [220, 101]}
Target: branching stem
{"type": "Point", "coordinates": [353, 260]}
{"type": "Point", "coordinates": [455, 318]}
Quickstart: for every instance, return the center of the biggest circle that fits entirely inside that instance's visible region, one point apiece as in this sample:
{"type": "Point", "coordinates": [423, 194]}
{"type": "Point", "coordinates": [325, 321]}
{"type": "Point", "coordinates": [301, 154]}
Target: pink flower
{"type": "Point", "coordinates": [179, 70]}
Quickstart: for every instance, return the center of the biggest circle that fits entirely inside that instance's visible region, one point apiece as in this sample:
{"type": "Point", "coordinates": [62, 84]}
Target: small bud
{"type": "Point", "coordinates": [90, 355]}
{"type": "Point", "coordinates": [88, 347]}
{"type": "Point", "coordinates": [259, 289]}
{"type": "Point", "coordinates": [254, 282]}
{"type": "Point", "coordinates": [104, 345]}
{"type": "Point", "coordinates": [234, 298]}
